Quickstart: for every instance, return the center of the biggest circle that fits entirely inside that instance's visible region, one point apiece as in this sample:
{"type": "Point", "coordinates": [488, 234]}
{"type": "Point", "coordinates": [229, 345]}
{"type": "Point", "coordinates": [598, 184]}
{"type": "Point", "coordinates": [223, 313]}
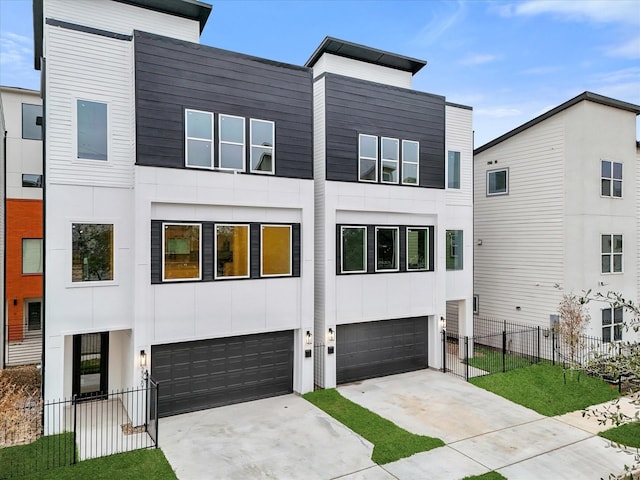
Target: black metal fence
{"type": "Point", "coordinates": [59, 433]}
{"type": "Point", "coordinates": [500, 346]}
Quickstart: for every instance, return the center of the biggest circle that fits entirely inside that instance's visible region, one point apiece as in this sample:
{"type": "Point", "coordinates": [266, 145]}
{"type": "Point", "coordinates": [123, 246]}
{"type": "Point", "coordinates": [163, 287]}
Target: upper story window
{"type": "Point", "coordinates": [354, 249]}
{"type": "Point", "coordinates": [92, 133]}
{"type": "Point", "coordinates": [453, 170]}
{"type": "Point", "coordinates": [368, 158]}
{"type": "Point", "coordinates": [181, 251]}
{"type": "Point", "coordinates": [387, 251]}
{"type": "Point", "coordinates": [611, 182]}
{"type": "Point", "coordinates": [498, 182]}
{"type": "Point", "coordinates": [262, 146]}
{"type": "Point", "coordinates": [417, 249]}
{"type": "Point", "coordinates": [410, 162]}
{"type": "Point", "coordinates": [31, 181]}
{"type": "Point", "coordinates": [611, 253]}
{"type": "Point", "coordinates": [275, 250]}
{"type": "Point", "coordinates": [31, 127]}
{"type": "Point", "coordinates": [92, 252]}
{"type": "Point", "coordinates": [31, 255]}
{"type": "Point", "coordinates": [454, 249]}
{"type": "Point", "coordinates": [232, 251]}
{"type": "Point", "coordinates": [612, 324]}
{"type": "Point", "coordinates": [199, 139]}
{"type": "Point", "coordinates": [232, 143]}
{"type": "Point", "coordinates": [390, 159]}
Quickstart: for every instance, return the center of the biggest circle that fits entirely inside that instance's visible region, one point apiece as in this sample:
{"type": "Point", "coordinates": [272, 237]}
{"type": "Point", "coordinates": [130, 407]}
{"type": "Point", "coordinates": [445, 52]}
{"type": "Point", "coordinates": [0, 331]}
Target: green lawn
{"type": "Point", "coordinates": [491, 361]}
{"type": "Point", "coordinates": [542, 388]}
{"type": "Point", "coordinates": [47, 452]}
{"type": "Point", "coordinates": [390, 442]}
{"type": "Point", "coordinates": [486, 476]}
{"type": "Point", "coordinates": [627, 435]}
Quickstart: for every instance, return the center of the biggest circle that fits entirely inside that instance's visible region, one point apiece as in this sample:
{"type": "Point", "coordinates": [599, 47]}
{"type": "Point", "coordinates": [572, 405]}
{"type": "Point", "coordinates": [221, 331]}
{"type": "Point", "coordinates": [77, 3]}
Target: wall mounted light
{"type": "Point", "coordinates": [143, 359]}
{"type": "Point", "coordinates": [308, 338]}
{"type": "Point", "coordinates": [443, 323]}
{"type": "Point", "coordinates": [332, 335]}
{"type": "Point", "coordinates": [15, 302]}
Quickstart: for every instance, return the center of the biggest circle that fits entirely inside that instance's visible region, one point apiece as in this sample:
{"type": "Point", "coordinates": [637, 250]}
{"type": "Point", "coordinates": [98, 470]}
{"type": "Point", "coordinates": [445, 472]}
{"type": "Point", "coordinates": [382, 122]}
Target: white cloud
{"type": "Point", "coordinates": [599, 11]}
{"type": "Point", "coordinates": [542, 70]}
{"type": "Point", "coordinates": [16, 61]}
{"type": "Point", "coordinates": [629, 49]}
{"type": "Point", "coordinates": [439, 24]}
{"type": "Point", "coordinates": [478, 59]}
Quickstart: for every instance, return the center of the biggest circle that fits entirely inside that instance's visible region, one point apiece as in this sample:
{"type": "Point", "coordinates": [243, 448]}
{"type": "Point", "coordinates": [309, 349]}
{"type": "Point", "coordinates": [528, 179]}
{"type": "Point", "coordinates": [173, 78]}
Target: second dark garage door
{"type": "Point", "coordinates": [386, 347]}
{"type": "Point", "coordinates": [214, 372]}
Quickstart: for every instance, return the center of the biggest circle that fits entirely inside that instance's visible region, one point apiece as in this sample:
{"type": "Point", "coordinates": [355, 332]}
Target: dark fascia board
{"type": "Point", "coordinates": [365, 54]}
{"type": "Point", "coordinates": [191, 9]}
{"type": "Point", "coordinates": [585, 96]}
{"type": "Point", "coordinates": [457, 105]}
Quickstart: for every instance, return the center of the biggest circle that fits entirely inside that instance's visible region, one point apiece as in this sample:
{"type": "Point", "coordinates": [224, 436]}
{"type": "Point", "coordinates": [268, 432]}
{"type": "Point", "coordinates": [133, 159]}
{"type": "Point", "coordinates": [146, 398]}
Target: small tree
{"type": "Point", "coordinates": [573, 319]}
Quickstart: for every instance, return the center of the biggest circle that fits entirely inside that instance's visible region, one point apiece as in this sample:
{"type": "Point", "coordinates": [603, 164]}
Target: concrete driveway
{"type": "Point", "coordinates": [288, 438]}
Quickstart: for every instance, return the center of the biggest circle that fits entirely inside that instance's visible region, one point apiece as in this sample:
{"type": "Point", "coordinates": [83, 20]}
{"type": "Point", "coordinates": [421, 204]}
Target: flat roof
{"type": "Point", "coordinates": [585, 96]}
{"type": "Point", "coordinates": [365, 54]}
{"type": "Point", "coordinates": [191, 9]}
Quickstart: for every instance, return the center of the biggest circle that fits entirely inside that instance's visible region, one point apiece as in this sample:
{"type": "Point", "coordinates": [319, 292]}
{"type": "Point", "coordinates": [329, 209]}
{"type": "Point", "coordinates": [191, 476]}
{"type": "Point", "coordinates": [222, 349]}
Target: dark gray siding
{"type": "Point", "coordinates": [357, 106]}
{"type": "Point", "coordinates": [172, 75]}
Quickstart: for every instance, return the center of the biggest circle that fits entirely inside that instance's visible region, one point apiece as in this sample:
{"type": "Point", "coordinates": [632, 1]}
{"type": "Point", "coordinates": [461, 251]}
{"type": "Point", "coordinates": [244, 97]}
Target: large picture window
{"type": "Point", "coordinates": [453, 170]}
{"type": "Point", "coordinates": [498, 182]}
{"type": "Point", "coordinates": [276, 250]}
{"type": "Point", "coordinates": [611, 181]}
{"type": "Point", "coordinates": [232, 142]}
{"type": "Point", "coordinates": [199, 139]}
{"type": "Point", "coordinates": [417, 249]}
{"type": "Point", "coordinates": [386, 249]}
{"type": "Point", "coordinates": [368, 158]}
{"type": "Point", "coordinates": [390, 159]}
{"type": "Point", "coordinates": [262, 146]}
{"type": "Point", "coordinates": [92, 252]}
{"type": "Point", "coordinates": [354, 249]}
{"type": "Point", "coordinates": [181, 251]}
{"type": "Point", "coordinates": [31, 255]}
{"type": "Point", "coordinates": [232, 251]}
{"type": "Point", "coordinates": [612, 324]}
{"type": "Point", "coordinates": [611, 253]}
{"type": "Point", "coordinates": [410, 162]}
{"type": "Point", "coordinates": [92, 130]}
{"type": "Point", "coordinates": [454, 250]}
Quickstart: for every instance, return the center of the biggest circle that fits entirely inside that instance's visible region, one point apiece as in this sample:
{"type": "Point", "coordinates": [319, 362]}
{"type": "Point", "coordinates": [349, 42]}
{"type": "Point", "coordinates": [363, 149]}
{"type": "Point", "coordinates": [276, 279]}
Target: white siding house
{"type": "Point", "coordinates": [556, 205]}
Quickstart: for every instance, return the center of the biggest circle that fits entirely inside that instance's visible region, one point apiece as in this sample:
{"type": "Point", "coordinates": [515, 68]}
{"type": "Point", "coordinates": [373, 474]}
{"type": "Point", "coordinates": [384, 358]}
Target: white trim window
{"type": "Point", "coordinates": [262, 137]}
{"type": "Point", "coordinates": [410, 162]}
{"type": "Point", "coordinates": [612, 323]}
{"type": "Point", "coordinates": [387, 251]}
{"type": "Point", "coordinates": [353, 249]}
{"type": "Point", "coordinates": [231, 132]}
{"type": "Point", "coordinates": [198, 142]}
{"type": "Point", "coordinates": [31, 256]}
{"type": "Point", "coordinates": [454, 253]}
{"type": "Point", "coordinates": [498, 182]}
{"type": "Point", "coordinates": [181, 251]}
{"type": "Point", "coordinates": [92, 130]}
{"type": "Point", "coordinates": [275, 251]}
{"type": "Point", "coordinates": [417, 249]}
{"type": "Point", "coordinates": [611, 253]}
{"type": "Point", "coordinates": [390, 155]}
{"type": "Point", "coordinates": [611, 179]}
{"type": "Point", "coordinates": [368, 158]}
{"type": "Point", "coordinates": [92, 252]}
{"type": "Point", "coordinates": [453, 170]}
{"type": "Point", "coordinates": [231, 247]}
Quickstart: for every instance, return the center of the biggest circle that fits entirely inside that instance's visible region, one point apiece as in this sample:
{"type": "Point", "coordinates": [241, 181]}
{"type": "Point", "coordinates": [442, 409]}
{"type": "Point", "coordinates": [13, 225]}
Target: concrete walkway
{"type": "Point", "coordinates": [288, 438]}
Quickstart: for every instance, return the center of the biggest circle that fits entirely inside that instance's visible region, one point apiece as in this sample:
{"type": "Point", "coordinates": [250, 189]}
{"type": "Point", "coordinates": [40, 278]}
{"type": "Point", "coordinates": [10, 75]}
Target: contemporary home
{"type": "Point", "coordinates": [557, 205]}
{"type": "Point", "coordinates": [198, 200]}
{"type": "Point", "coordinates": [21, 111]}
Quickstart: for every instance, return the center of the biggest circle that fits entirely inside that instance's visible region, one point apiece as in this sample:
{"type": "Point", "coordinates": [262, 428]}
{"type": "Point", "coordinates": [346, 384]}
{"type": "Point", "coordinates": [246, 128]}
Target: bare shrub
{"type": "Point", "coordinates": [20, 406]}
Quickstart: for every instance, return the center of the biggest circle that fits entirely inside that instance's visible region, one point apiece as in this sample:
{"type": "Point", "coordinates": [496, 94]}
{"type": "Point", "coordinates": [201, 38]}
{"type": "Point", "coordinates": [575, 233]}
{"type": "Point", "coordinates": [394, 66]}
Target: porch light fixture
{"type": "Point", "coordinates": [332, 335]}
{"type": "Point", "coordinates": [143, 359]}
{"type": "Point", "coordinates": [308, 338]}
{"type": "Point", "coordinates": [442, 323]}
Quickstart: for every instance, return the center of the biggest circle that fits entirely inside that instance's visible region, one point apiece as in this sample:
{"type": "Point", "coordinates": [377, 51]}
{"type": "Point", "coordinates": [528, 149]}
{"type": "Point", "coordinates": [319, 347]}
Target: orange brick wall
{"type": "Point", "coordinates": [24, 220]}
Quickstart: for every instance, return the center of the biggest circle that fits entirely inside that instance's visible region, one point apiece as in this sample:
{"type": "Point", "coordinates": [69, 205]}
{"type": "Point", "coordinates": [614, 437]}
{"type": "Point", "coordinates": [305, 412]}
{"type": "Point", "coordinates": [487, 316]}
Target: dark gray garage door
{"type": "Point", "coordinates": [374, 349]}
{"type": "Point", "coordinates": [210, 373]}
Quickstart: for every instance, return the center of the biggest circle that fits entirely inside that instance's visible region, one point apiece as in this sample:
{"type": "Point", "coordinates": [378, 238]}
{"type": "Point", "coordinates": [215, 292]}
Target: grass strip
{"type": "Point", "coordinates": [542, 388]}
{"type": "Point", "coordinates": [486, 476]}
{"type": "Point", "coordinates": [492, 361]}
{"type": "Point", "coordinates": [51, 451]}
{"type": "Point", "coordinates": [627, 435]}
{"type": "Point", "coordinates": [390, 442]}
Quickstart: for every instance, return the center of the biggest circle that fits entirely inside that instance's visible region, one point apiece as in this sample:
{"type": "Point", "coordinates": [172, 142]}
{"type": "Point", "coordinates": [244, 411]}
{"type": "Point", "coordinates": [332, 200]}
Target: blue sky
{"type": "Point", "coordinates": [509, 60]}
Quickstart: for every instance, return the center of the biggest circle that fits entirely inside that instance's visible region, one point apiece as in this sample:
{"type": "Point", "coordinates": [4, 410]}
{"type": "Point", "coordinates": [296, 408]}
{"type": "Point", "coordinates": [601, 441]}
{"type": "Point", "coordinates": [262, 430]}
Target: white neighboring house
{"type": "Point", "coordinates": [557, 203]}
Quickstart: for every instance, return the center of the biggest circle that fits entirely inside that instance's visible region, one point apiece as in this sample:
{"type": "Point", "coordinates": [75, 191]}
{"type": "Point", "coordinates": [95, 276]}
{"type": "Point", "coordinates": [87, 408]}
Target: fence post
{"type": "Point", "coordinates": [553, 348]}
{"type": "Point", "coordinates": [75, 420]}
{"type": "Point", "coordinates": [538, 355]}
{"type": "Point", "coordinates": [444, 351]}
{"type": "Point", "coordinates": [504, 349]}
{"type": "Point", "coordinates": [155, 401]}
{"type": "Point", "coordinates": [466, 358]}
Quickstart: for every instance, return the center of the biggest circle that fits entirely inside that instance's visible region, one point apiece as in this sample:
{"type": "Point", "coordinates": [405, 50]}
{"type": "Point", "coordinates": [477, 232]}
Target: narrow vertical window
{"type": "Point", "coordinates": [232, 251]}
{"type": "Point", "coordinates": [181, 251]}
{"type": "Point", "coordinates": [198, 139]}
{"type": "Point", "coordinates": [410, 162]}
{"type": "Point", "coordinates": [453, 170]}
{"type": "Point", "coordinates": [454, 250]}
{"type": "Point", "coordinates": [231, 131]}
{"type": "Point", "coordinates": [262, 146]}
{"type": "Point", "coordinates": [276, 250]}
{"type": "Point", "coordinates": [498, 182]}
{"type": "Point", "coordinates": [92, 132]}
{"type": "Point", "coordinates": [386, 249]}
{"type": "Point", "coordinates": [92, 252]}
{"type": "Point", "coordinates": [368, 158]}
{"type": "Point", "coordinates": [31, 127]}
{"type": "Point", "coordinates": [611, 179]}
{"type": "Point", "coordinates": [417, 249]}
{"type": "Point", "coordinates": [612, 323]}
{"type": "Point", "coordinates": [611, 246]}
{"type": "Point", "coordinates": [390, 157]}
{"type": "Point", "coordinates": [31, 255]}
{"type": "Point", "coordinates": [354, 250]}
